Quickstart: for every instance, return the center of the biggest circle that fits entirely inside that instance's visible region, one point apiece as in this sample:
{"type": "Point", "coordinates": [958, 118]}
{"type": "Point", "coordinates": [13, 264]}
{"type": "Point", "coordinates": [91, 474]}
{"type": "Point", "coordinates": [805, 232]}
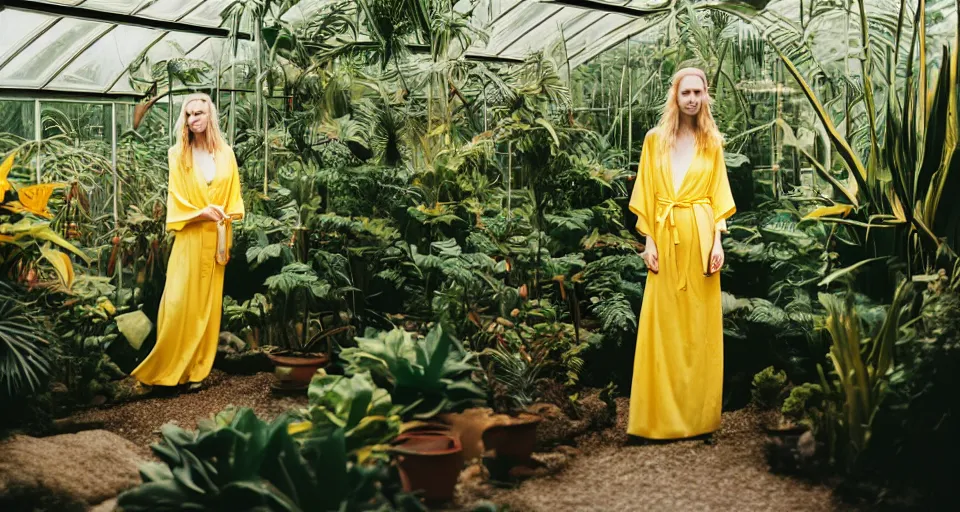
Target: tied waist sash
{"type": "Point", "coordinates": [224, 233]}
{"type": "Point", "coordinates": [705, 225]}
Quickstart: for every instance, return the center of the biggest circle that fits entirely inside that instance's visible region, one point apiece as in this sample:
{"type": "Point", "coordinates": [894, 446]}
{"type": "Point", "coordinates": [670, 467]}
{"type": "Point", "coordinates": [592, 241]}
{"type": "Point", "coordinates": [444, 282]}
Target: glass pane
{"type": "Point", "coordinates": [16, 127]}
{"type": "Point", "coordinates": [303, 9]}
{"type": "Point", "coordinates": [538, 33]}
{"type": "Point", "coordinates": [123, 84]}
{"type": "Point", "coordinates": [121, 6]}
{"type": "Point", "coordinates": [78, 147]}
{"type": "Point", "coordinates": [98, 67]}
{"type": "Point", "coordinates": [61, 2]}
{"type": "Point", "coordinates": [213, 49]}
{"type": "Point", "coordinates": [578, 25]}
{"type": "Point", "coordinates": [211, 52]}
{"type": "Point", "coordinates": [170, 10]}
{"type": "Point", "coordinates": [16, 118]}
{"type": "Point", "coordinates": [517, 23]}
{"type": "Point", "coordinates": [208, 14]}
{"type": "Point", "coordinates": [595, 43]}
{"type": "Point", "coordinates": [579, 43]}
{"type": "Point", "coordinates": [86, 124]}
{"type": "Point", "coordinates": [38, 61]}
{"type": "Point", "coordinates": [500, 9]}
{"type": "Point", "coordinates": [17, 27]}
{"type": "Point", "coordinates": [175, 44]}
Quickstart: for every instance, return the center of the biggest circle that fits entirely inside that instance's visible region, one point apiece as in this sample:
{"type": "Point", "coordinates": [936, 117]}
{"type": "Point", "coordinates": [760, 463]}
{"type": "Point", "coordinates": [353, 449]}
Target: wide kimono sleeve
{"type": "Point", "coordinates": [234, 206]}
{"type": "Point", "coordinates": [721, 198]}
{"type": "Point", "coordinates": [180, 211]}
{"type": "Point", "coordinates": [643, 197]}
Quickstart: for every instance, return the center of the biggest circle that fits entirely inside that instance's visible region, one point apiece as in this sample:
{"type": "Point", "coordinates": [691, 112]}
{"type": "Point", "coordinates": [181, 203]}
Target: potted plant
{"type": "Point", "coordinates": [355, 404]}
{"type": "Point", "coordinates": [426, 375]}
{"type": "Point", "coordinates": [512, 433]}
{"type": "Point", "coordinates": [430, 462]}
{"type": "Point", "coordinates": [295, 366]}
{"type": "Point", "coordinates": [297, 354]}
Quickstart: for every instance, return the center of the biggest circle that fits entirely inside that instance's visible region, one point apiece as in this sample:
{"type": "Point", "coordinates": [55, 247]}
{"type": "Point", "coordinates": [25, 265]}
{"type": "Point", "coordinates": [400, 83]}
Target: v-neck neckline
{"type": "Point", "coordinates": [673, 180]}
{"type": "Point", "coordinates": [201, 178]}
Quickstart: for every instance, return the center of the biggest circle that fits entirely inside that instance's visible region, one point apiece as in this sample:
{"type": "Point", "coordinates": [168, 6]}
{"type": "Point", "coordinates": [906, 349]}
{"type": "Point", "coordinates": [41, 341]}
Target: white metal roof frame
{"type": "Point", "coordinates": [86, 46]}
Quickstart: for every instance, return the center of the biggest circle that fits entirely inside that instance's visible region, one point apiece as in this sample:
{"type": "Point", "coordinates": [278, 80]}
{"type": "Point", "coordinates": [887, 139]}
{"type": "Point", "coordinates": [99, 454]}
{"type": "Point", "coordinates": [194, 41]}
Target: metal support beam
{"type": "Point", "coordinates": [425, 49]}
{"type": "Point", "coordinates": [120, 19]}
{"type": "Point", "coordinates": [52, 95]}
{"type": "Point", "coordinates": [595, 5]}
{"type": "Point", "coordinates": [37, 133]}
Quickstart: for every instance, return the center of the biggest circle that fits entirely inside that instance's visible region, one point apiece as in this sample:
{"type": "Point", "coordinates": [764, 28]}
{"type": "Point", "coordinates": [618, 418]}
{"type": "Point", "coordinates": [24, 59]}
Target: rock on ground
{"type": "Point", "coordinates": [66, 472]}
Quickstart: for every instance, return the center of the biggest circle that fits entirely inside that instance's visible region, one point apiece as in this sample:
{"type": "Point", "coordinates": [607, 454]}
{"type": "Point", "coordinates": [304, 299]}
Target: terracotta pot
{"type": "Point", "coordinates": [469, 426]}
{"type": "Point", "coordinates": [430, 461]}
{"type": "Point", "coordinates": [295, 372]}
{"type": "Point", "coordinates": [513, 440]}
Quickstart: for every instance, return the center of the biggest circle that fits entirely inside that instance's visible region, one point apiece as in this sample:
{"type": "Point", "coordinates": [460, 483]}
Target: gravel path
{"type": "Point", "coordinates": [610, 476]}
{"type": "Point", "coordinates": [604, 474]}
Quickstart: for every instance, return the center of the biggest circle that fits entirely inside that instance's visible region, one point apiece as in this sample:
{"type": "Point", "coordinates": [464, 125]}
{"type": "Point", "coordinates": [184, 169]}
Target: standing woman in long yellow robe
{"type": "Point", "coordinates": [203, 198]}
{"type": "Point", "coordinates": [681, 199]}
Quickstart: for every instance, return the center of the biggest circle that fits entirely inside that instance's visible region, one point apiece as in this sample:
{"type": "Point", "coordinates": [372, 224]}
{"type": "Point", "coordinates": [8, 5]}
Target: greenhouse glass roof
{"type": "Point", "coordinates": [87, 45]}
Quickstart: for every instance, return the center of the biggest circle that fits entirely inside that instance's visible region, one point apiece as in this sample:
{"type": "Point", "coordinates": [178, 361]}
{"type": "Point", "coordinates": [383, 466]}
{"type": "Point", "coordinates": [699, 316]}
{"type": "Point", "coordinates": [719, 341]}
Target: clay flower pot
{"type": "Point", "coordinates": [514, 439]}
{"type": "Point", "coordinates": [430, 461]}
{"type": "Point", "coordinates": [293, 372]}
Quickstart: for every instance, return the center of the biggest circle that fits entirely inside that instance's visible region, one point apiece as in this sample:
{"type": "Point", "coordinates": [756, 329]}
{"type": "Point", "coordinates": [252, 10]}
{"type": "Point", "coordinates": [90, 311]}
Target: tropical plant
{"type": "Point", "coordinates": [356, 405]}
{"type": "Point", "coordinates": [910, 159]}
{"type": "Point", "coordinates": [27, 240]}
{"type": "Point", "coordinates": [26, 355]}
{"type": "Point", "coordinates": [860, 363]}
{"type": "Point", "coordinates": [426, 375]}
{"type": "Point", "coordinates": [913, 431]}
{"type": "Point", "coordinates": [804, 405]}
{"type": "Point", "coordinates": [237, 461]}
{"type": "Point", "coordinates": [768, 386]}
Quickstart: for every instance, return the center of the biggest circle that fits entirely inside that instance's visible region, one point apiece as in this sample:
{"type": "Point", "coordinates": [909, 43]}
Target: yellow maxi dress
{"type": "Point", "coordinates": [678, 367]}
{"type": "Point", "coordinates": [188, 322]}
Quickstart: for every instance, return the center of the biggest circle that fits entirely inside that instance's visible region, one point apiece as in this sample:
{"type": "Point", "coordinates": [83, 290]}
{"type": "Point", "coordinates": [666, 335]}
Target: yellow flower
{"type": "Point", "coordinates": [4, 172]}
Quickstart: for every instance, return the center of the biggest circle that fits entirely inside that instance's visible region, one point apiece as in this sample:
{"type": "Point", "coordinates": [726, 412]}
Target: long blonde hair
{"type": "Point", "coordinates": [211, 139]}
{"type": "Point", "coordinates": [707, 134]}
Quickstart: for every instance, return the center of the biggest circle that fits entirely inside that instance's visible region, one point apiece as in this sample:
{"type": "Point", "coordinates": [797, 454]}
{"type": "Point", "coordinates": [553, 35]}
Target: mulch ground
{"type": "Point", "coordinates": [602, 474]}
{"type": "Point", "coordinates": [612, 476]}
{"type": "Point", "coordinates": [140, 420]}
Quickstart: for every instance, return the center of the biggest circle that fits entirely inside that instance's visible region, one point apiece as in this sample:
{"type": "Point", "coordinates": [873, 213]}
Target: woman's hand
{"type": "Point", "coordinates": [212, 214]}
{"type": "Point", "coordinates": [650, 256]}
{"type": "Point", "coordinates": [716, 257]}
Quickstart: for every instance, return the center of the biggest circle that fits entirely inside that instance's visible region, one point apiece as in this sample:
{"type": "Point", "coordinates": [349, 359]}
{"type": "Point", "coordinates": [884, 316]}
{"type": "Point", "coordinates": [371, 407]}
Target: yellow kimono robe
{"type": "Point", "coordinates": [188, 323]}
{"type": "Point", "coordinates": [678, 367]}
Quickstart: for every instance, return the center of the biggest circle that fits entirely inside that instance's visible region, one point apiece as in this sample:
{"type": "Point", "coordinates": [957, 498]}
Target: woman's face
{"type": "Point", "coordinates": [197, 116]}
{"type": "Point", "coordinates": [690, 95]}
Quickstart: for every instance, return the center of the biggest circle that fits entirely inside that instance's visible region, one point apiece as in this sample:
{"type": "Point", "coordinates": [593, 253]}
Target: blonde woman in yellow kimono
{"type": "Point", "coordinates": [681, 198]}
{"type": "Point", "coordinates": [203, 198]}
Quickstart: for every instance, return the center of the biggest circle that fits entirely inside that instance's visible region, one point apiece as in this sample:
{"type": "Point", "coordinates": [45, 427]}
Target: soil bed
{"type": "Point", "coordinates": [610, 475]}
{"type": "Point", "coordinates": [604, 474]}
{"type": "Point", "coordinates": [140, 420]}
